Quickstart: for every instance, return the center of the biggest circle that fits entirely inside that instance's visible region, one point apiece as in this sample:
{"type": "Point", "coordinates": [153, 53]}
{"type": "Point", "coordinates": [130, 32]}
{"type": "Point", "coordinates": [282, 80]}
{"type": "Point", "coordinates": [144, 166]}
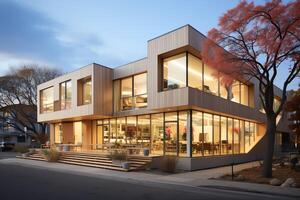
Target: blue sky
{"type": "Point", "coordinates": [69, 34]}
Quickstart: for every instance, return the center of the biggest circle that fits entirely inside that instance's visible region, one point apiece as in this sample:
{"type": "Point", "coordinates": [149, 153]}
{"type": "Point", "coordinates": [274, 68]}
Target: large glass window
{"type": "Point", "coordinates": [230, 135]}
{"type": "Point", "coordinates": [144, 130]}
{"type": "Point", "coordinates": [168, 133]}
{"type": "Point", "coordinates": [182, 117]}
{"type": "Point", "coordinates": [126, 93]}
{"type": "Point", "coordinates": [207, 134]}
{"type": "Point", "coordinates": [236, 136]}
{"type": "Point", "coordinates": [171, 133]}
{"type": "Point", "coordinates": [113, 130]}
{"type": "Point", "coordinates": [244, 94]}
{"type": "Point", "coordinates": [186, 69]}
{"type": "Point", "coordinates": [131, 136]}
{"type": "Point", "coordinates": [224, 140]}
{"type": "Point", "coordinates": [140, 90]}
{"type": "Point", "coordinates": [226, 83]}
{"type": "Point", "coordinates": [194, 72]}
{"type": "Point", "coordinates": [236, 91]}
{"type": "Point", "coordinates": [174, 72]}
{"type": "Point", "coordinates": [65, 95]}
{"type": "Point", "coordinates": [197, 134]}
{"type": "Point", "coordinates": [47, 99]}
{"type": "Point", "coordinates": [106, 132]}
{"type": "Point", "coordinates": [242, 136]}
{"type": "Point", "coordinates": [217, 144]}
{"type": "Point", "coordinates": [121, 128]}
{"type": "Point", "coordinates": [87, 91]}
{"type": "Point", "coordinates": [157, 134]}
{"type": "Point", "coordinates": [247, 136]}
{"type": "Point", "coordinates": [211, 80]}
{"type": "Point", "coordinates": [133, 92]}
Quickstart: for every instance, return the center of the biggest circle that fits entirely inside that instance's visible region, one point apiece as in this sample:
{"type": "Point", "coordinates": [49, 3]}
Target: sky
{"type": "Point", "coordinates": [68, 34]}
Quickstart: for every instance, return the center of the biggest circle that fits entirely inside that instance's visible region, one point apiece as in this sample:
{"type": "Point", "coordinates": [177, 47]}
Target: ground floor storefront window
{"type": "Point", "coordinates": [181, 133]}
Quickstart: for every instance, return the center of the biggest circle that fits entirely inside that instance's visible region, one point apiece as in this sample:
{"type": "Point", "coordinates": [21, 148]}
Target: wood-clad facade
{"type": "Point", "coordinates": [127, 108]}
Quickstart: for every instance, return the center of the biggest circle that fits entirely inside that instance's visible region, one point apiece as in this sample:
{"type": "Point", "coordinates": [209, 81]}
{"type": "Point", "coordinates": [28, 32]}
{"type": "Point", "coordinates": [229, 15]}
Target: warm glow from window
{"type": "Point", "coordinates": [87, 91]}
{"type": "Point", "coordinates": [47, 100]}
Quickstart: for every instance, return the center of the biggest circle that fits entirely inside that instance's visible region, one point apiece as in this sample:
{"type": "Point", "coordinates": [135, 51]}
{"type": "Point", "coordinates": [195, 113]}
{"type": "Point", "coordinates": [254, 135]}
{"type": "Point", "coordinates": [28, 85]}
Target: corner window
{"type": "Point", "coordinates": [194, 72]}
{"type": "Point", "coordinates": [174, 72]}
{"type": "Point", "coordinates": [185, 69]}
{"type": "Point", "coordinates": [65, 89]}
{"type": "Point", "coordinates": [47, 99]}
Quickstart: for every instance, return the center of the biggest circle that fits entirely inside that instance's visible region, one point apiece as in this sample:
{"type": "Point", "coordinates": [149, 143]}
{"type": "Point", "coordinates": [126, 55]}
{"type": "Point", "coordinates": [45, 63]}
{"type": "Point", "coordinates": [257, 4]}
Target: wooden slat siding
{"type": "Point", "coordinates": [196, 38]}
{"type": "Point", "coordinates": [102, 90]}
{"type": "Point", "coordinates": [75, 111]}
{"type": "Point", "coordinates": [129, 69]}
{"type": "Point", "coordinates": [160, 45]}
{"type": "Point", "coordinates": [87, 129]}
{"type": "Point", "coordinates": [52, 132]}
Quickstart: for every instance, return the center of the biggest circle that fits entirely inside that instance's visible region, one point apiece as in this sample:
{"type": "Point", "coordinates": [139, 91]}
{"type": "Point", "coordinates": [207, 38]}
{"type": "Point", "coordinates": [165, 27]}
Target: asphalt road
{"type": "Point", "coordinates": [8, 154]}
{"type": "Point", "coordinates": [19, 182]}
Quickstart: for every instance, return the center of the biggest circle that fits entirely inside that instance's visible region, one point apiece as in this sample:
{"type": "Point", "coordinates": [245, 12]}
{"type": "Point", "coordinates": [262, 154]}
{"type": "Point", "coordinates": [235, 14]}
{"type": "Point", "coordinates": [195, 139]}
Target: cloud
{"type": "Point", "coordinates": [27, 35]}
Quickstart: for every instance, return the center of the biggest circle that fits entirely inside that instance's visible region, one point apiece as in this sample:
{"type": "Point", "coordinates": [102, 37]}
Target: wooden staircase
{"type": "Point", "coordinates": [96, 160]}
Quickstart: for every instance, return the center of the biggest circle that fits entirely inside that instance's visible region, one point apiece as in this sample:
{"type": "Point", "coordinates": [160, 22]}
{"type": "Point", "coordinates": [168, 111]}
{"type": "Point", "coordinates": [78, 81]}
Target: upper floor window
{"type": "Point", "coordinates": [140, 90]}
{"type": "Point", "coordinates": [133, 91]}
{"type": "Point", "coordinates": [87, 91]}
{"type": "Point", "coordinates": [65, 95]}
{"type": "Point", "coordinates": [47, 99]}
{"type": "Point", "coordinates": [174, 72]}
{"type": "Point", "coordinates": [126, 93]}
{"type": "Point", "coordinates": [84, 88]}
{"type": "Point", "coordinates": [185, 69]}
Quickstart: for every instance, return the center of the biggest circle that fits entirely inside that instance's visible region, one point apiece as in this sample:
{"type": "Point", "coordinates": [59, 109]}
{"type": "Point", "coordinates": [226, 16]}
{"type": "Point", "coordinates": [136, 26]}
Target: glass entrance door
{"type": "Point", "coordinates": [171, 138]}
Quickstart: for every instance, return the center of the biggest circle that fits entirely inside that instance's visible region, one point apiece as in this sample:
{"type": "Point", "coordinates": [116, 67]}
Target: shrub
{"type": "Point", "coordinates": [21, 149]}
{"type": "Point", "coordinates": [51, 155]}
{"type": "Point", "coordinates": [118, 155]}
{"type": "Point", "coordinates": [168, 164]}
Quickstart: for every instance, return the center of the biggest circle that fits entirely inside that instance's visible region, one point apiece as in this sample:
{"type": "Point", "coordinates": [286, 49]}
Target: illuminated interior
{"type": "Point", "coordinates": [47, 100]}
{"type": "Point", "coordinates": [185, 69]}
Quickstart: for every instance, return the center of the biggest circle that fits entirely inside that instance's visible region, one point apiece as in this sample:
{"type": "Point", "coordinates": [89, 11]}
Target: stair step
{"type": "Point", "coordinates": [98, 163]}
{"type": "Point", "coordinates": [96, 166]}
{"type": "Point", "coordinates": [31, 158]}
{"type": "Point", "coordinates": [95, 160]}
{"type": "Point", "coordinates": [101, 159]}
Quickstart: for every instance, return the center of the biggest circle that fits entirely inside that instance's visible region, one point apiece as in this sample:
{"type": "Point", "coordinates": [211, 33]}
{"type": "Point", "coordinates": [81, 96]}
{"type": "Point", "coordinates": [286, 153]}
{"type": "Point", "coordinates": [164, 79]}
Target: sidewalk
{"type": "Point", "coordinates": [202, 178]}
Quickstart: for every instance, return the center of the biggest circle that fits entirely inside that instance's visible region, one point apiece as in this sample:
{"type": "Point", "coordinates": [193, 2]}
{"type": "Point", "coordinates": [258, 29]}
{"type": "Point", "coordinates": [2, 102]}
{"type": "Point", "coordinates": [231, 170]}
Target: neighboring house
{"type": "Point", "coordinates": [169, 102]}
{"type": "Point", "coordinates": [8, 132]}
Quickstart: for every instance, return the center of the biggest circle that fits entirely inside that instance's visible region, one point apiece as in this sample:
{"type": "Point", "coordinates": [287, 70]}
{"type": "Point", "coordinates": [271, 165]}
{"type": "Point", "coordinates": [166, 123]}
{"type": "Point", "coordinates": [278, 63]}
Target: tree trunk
{"type": "Point", "coordinates": [270, 140]}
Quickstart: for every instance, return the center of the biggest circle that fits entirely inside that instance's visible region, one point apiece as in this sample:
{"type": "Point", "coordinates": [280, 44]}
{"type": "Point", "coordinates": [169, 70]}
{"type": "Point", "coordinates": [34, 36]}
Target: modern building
{"type": "Point", "coordinates": [169, 102]}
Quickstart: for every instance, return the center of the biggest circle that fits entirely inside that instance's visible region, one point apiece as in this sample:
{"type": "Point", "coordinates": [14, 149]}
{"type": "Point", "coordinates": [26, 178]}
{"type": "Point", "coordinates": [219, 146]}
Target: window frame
{"type": "Point", "coordinates": [133, 95]}
{"type": "Point", "coordinates": [65, 94]}
{"type": "Point", "coordinates": [42, 111]}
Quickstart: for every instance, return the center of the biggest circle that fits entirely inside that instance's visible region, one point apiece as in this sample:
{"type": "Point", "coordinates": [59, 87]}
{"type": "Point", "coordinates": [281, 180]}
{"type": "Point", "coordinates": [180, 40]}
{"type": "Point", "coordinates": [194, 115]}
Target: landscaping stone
{"type": "Point", "coordinates": [290, 182]}
{"type": "Point", "coordinates": [240, 178]}
{"type": "Point", "coordinates": [275, 182]}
